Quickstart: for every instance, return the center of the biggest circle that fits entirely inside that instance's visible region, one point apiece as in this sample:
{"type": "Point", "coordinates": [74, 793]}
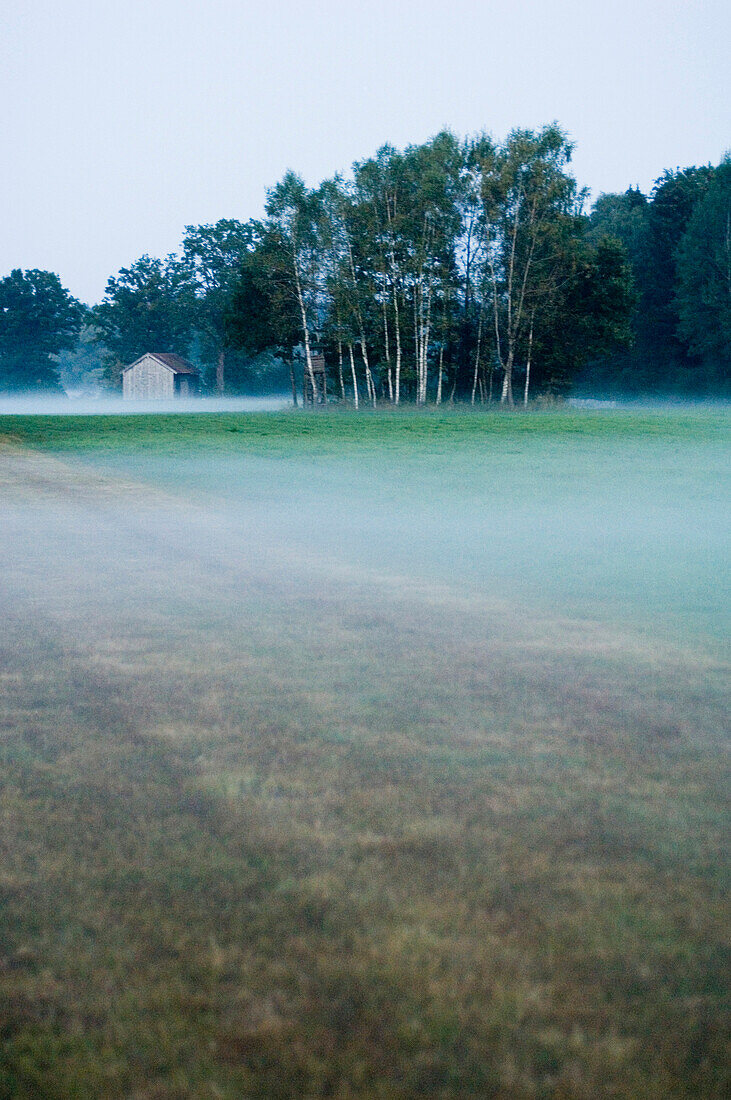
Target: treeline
{"type": "Point", "coordinates": [453, 270]}
{"type": "Point", "coordinates": [449, 270]}
{"type": "Point", "coordinates": [678, 243]}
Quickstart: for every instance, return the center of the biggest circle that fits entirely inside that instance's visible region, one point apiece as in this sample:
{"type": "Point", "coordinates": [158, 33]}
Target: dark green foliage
{"type": "Point", "coordinates": [679, 339]}
{"type": "Point", "coordinates": [38, 320]}
{"type": "Point", "coordinates": [590, 314]}
{"type": "Point", "coordinates": [673, 199]}
{"type": "Point", "coordinates": [703, 298]}
{"type": "Point", "coordinates": [146, 307]}
{"type": "Point", "coordinates": [212, 258]}
{"type": "Point", "coordinates": [82, 368]}
{"type": "Point", "coordinates": [262, 308]}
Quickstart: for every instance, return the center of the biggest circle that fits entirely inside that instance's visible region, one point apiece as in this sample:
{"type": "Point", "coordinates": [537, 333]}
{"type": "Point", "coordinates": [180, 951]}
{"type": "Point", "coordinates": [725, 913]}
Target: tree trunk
{"type": "Point", "coordinates": [340, 371]}
{"type": "Point", "coordinates": [306, 333]}
{"type": "Point", "coordinates": [439, 382]}
{"type": "Point", "coordinates": [397, 392]}
{"type": "Point", "coordinates": [293, 380]}
{"type": "Point", "coordinates": [527, 366]}
{"type": "Point", "coordinates": [426, 332]}
{"type": "Point", "coordinates": [506, 396]}
{"type": "Point", "coordinates": [388, 353]}
{"type": "Point", "coordinates": [355, 380]}
{"type": "Point", "coordinates": [369, 377]}
{"type": "Point", "coordinates": [220, 367]}
{"type": "Point", "coordinates": [477, 360]}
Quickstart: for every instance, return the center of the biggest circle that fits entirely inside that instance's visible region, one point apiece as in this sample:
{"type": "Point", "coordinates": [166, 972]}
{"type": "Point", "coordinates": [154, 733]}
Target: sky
{"type": "Point", "coordinates": [123, 121]}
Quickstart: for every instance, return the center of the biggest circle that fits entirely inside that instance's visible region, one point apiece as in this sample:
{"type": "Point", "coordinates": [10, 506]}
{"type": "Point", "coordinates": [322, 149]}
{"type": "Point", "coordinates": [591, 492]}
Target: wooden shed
{"type": "Point", "coordinates": [160, 374]}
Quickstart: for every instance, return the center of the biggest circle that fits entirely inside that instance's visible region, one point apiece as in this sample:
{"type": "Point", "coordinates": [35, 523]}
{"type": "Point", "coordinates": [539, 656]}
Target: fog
{"type": "Point", "coordinates": [32, 404]}
{"type": "Point", "coordinates": [633, 532]}
{"type": "Point", "coordinates": [414, 723]}
{"type": "Point", "coordinates": [626, 530]}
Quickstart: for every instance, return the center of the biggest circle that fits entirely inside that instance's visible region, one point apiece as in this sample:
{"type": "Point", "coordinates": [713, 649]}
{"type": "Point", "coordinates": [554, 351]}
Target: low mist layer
{"type": "Point", "coordinates": [30, 404]}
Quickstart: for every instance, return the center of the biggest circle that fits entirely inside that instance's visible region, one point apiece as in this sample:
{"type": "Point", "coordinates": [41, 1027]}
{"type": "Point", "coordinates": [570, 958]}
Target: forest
{"type": "Point", "coordinates": [459, 269]}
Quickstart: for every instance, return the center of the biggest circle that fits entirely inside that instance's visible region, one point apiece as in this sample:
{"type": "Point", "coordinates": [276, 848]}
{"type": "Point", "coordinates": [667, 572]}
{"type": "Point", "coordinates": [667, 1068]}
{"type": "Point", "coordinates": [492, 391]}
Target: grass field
{"type": "Point", "coordinates": [364, 756]}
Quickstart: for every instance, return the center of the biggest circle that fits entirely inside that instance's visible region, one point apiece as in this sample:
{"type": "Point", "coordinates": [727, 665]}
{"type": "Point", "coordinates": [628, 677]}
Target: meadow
{"type": "Point", "coordinates": [364, 756]}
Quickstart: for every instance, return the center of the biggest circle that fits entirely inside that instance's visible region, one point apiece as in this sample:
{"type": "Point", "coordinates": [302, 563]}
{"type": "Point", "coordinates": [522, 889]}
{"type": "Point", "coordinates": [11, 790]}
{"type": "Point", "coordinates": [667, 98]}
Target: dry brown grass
{"type": "Point", "coordinates": [271, 831]}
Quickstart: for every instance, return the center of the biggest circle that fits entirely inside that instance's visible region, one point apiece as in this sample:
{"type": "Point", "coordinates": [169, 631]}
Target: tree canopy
{"type": "Point", "coordinates": [39, 319]}
{"type": "Point", "coordinates": [456, 269]}
{"type": "Point", "coordinates": [440, 269]}
{"type": "Point", "coordinates": [703, 288]}
{"type": "Point", "coordinates": [676, 244]}
{"type": "Point", "coordinates": [146, 307]}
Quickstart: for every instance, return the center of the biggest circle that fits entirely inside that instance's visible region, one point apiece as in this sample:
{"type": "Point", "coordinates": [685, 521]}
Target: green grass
{"type": "Point", "coordinates": [329, 433]}
{"type": "Point", "coordinates": [279, 823]}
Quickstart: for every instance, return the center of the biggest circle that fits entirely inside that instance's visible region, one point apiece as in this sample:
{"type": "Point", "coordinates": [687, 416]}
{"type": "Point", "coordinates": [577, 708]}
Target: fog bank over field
{"type": "Point", "coordinates": [627, 528]}
{"type": "Point", "coordinates": [33, 404]}
{"type": "Point", "coordinates": [610, 514]}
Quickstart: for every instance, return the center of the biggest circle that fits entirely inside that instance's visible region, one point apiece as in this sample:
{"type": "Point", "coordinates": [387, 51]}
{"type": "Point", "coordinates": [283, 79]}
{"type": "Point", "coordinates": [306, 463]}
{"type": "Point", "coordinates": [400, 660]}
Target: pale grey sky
{"type": "Point", "coordinates": [121, 121]}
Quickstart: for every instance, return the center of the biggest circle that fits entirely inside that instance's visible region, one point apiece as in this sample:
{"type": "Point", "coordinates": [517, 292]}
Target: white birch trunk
{"type": "Point", "coordinates": [425, 348]}
{"type": "Point", "coordinates": [397, 391]}
{"type": "Point", "coordinates": [355, 380]}
{"type": "Point", "coordinates": [506, 395]}
{"type": "Point", "coordinates": [340, 370]}
{"type": "Point", "coordinates": [369, 377]}
{"type": "Point", "coordinates": [477, 360]}
{"type": "Point", "coordinates": [388, 353]}
{"type": "Point", "coordinates": [527, 366]}
{"type": "Point", "coordinates": [439, 380]}
{"type": "Point", "coordinates": [306, 331]}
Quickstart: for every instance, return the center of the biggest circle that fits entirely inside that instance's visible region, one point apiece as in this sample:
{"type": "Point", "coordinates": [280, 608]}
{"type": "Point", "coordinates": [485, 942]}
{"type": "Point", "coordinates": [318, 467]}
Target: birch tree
{"type": "Point", "coordinates": [292, 211]}
{"type": "Point", "coordinates": [344, 319]}
{"type": "Point", "coordinates": [524, 187]}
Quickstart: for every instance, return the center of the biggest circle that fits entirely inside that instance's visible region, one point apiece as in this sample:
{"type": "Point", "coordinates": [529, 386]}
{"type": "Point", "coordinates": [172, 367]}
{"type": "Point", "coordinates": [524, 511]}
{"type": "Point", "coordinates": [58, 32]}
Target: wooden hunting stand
{"type": "Point", "coordinates": [319, 397]}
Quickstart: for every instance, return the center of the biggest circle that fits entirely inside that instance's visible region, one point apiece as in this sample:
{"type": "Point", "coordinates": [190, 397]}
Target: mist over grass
{"type": "Point", "coordinates": [97, 404]}
{"type": "Point", "coordinates": [619, 512]}
{"type": "Point", "coordinates": [364, 756]}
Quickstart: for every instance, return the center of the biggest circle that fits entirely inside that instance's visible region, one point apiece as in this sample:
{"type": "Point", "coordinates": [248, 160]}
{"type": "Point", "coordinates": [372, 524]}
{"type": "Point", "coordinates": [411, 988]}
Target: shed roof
{"type": "Point", "coordinates": [169, 359]}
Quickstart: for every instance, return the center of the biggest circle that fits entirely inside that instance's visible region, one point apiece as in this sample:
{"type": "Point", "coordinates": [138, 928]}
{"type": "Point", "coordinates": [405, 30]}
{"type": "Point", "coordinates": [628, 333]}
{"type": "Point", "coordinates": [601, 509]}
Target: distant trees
{"type": "Point", "coordinates": [179, 303]}
{"type": "Point", "coordinates": [433, 269]}
{"type": "Point", "coordinates": [675, 244]}
{"type": "Point", "coordinates": [146, 307]}
{"type": "Point", "coordinates": [263, 311]}
{"type": "Point", "coordinates": [703, 284]}
{"type": "Point", "coordinates": [457, 269]}
{"type": "Point", "coordinates": [212, 258]}
{"type": "Point", "coordinates": [39, 319]}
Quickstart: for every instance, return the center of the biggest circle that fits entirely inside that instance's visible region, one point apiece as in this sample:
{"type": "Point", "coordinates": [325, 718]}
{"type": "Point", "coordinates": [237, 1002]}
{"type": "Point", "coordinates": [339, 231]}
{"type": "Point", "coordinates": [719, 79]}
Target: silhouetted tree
{"type": "Point", "coordinates": [213, 256]}
{"type": "Point", "coordinates": [703, 287]}
{"type": "Point", "coordinates": [38, 320]}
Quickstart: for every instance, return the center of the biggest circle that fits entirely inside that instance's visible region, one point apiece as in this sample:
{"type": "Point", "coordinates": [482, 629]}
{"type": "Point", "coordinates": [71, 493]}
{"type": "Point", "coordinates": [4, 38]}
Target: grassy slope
{"type": "Point", "coordinates": [240, 860]}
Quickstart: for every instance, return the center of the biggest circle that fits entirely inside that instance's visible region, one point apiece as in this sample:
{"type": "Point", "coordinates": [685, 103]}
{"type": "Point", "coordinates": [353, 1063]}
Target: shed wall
{"type": "Point", "coordinates": [148, 378]}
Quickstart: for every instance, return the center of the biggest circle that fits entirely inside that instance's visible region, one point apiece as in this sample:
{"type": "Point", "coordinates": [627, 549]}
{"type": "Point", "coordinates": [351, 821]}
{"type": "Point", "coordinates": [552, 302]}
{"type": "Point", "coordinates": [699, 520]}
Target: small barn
{"type": "Point", "coordinates": [160, 374]}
